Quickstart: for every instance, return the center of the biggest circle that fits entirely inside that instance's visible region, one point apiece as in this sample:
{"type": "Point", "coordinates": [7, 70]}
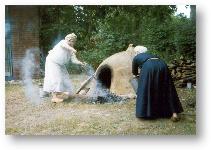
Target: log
{"type": "Point", "coordinates": [188, 79]}
{"type": "Point", "coordinates": [183, 71]}
{"type": "Point", "coordinates": [188, 74]}
{"type": "Point", "coordinates": [173, 72]}
{"type": "Point", "coordinates": [186, 67]}
{"type": "Point", "coordinates": [181, 58]}
{"type": "Point", "coordinates": [171, 66]}
{"type": "Point", "coordinates": [188, 62]}
{"type": "Point", "coordinates": [178, 75]}
{"type": "Point", "coordinates": [193, 64]}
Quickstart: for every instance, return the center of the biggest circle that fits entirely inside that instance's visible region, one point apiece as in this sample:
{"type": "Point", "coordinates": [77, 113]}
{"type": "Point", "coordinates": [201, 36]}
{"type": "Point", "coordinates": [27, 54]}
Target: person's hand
{"type": "Point", "coordinates": [84, 64]}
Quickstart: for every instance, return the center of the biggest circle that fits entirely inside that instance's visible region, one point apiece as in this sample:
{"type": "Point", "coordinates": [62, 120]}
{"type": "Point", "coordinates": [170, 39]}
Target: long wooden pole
{"type": "Point", "coordinates": [85, 83]}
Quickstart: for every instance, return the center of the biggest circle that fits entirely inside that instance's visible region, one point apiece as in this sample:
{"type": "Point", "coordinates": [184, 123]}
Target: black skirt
{"type": "Point", "coordinates": [156, 94]}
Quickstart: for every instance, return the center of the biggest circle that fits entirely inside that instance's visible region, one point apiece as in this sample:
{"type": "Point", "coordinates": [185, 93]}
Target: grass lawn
{"type": "Point", "coordinates": [80, 118]}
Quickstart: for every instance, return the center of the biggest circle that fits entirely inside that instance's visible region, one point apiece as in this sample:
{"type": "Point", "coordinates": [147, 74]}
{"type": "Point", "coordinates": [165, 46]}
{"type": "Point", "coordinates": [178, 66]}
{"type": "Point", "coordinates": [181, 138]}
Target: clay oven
{"type": "Point", "coordinates": [114, 73]}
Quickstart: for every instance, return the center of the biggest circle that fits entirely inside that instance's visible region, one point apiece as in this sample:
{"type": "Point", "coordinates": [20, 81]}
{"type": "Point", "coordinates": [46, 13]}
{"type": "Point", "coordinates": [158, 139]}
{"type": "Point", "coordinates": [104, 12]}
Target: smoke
{"type": "Point", "coordinates": [101, 94]}
{"type": "Point", "coordinates": [104, 95]}
{"type": "Point", "coordinates": [89, 70]}
{"type": "Point", "coordinates": [28, 68]}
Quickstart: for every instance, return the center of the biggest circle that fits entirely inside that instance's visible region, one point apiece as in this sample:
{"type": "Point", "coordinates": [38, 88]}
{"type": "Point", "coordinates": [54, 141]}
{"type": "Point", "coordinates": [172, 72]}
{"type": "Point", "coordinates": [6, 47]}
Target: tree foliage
{"type": "Point", "coordinates": [105, 30]}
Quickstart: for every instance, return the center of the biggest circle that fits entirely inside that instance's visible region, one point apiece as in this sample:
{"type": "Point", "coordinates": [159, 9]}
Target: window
{"type": "Point", "coordinates": [8, 48]}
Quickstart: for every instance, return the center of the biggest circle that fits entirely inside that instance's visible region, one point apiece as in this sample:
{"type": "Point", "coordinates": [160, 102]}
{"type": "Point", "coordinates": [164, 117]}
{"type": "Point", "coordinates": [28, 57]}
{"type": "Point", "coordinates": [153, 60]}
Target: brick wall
{"type": "Point", "coordinates": [25, 34]}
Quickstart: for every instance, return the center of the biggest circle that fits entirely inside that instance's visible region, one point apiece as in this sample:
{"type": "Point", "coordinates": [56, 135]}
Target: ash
{"type": "Point", "coordinates": [103, 95]}
{"type": "Point", "coordinates": [110, 98]}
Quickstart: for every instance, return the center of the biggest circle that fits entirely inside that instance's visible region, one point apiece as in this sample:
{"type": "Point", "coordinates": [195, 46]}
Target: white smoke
{"type": "Point", "coordinates": [102, 94]}
{"type": "Point", "coordinates": [100, 90]}
{"type": "Point", "coordinates": [28, 68]}
{"type": "Point", "coordinates": [89, 70]}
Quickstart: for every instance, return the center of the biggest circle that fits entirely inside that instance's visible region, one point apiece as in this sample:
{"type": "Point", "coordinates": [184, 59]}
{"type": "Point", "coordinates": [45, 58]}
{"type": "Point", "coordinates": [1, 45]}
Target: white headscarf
{"type": "Point", "coordinates": [71, 36]}
{"type": "Point", "coordinates": [140, 49]}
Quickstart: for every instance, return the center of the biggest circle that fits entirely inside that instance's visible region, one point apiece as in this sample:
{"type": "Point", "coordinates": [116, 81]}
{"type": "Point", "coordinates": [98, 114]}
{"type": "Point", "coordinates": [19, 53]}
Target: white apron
{"type": "Point", "coordinates": [57, 78]}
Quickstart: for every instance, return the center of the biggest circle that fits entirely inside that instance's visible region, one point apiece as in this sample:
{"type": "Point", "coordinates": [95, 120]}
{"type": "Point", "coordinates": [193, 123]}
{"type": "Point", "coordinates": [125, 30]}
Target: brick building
{"type": "Point", "coordinates": [21, 33]}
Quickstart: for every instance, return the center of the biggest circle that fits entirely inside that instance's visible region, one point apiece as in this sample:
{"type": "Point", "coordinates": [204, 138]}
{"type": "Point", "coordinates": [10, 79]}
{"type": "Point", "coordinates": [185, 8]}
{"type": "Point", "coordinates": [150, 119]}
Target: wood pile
{"type": "Point", "coordinates": [183, 71]}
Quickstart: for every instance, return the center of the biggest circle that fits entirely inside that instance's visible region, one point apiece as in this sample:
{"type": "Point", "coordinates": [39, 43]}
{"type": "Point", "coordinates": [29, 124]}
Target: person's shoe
{"type": "Point", "coordinates": [67, 93]}
{"type": "Point", "coordinates": [56, 100]}
{"type": "Point", "coordinates": [175, 118]}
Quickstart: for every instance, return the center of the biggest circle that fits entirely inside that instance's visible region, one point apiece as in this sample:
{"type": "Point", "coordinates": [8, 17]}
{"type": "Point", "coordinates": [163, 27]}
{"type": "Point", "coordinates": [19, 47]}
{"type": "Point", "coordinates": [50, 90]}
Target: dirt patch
{"type": "Point", "coordinates": [80, 118]}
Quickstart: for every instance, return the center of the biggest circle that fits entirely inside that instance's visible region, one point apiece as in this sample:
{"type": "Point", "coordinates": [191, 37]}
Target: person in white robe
{"type": "Point", "coordinates": [57, 79]}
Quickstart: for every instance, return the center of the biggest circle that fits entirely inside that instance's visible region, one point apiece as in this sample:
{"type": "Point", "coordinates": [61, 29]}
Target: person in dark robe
{"type": "Point", "coordinates": [156, 93]}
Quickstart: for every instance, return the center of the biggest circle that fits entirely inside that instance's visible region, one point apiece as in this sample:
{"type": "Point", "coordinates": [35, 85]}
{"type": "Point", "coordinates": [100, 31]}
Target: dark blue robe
{"type": "Point", "coordinates": [156, 94]}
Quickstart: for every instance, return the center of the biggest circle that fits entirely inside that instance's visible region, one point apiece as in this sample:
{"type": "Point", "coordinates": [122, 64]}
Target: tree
{"type": "Point", "coordinates": [105, 30]}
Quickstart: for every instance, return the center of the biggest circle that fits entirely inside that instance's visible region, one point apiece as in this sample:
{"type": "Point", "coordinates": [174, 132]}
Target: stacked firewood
{"type": "Point", "coordinates": [183, 71]}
